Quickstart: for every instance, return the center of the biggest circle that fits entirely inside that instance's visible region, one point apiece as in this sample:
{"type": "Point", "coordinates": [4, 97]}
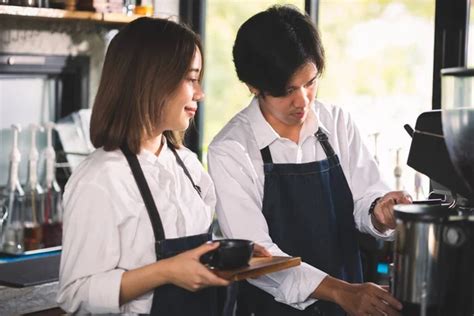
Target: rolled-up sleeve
{"type": "Point", "coordinates": [239, 206]}
{"type": "Point", "coordinates": [365, 179]}
{"type": "Point", "coordinates": [89, 279]}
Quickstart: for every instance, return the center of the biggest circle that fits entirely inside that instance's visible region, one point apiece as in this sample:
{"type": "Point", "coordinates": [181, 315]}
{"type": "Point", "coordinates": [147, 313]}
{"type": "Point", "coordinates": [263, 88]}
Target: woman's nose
{"type": "Point", "coordinates": [198, 93]}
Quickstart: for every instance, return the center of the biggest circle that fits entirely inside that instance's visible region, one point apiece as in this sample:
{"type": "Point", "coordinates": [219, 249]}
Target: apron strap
{"type": "Point", "coordinates": [320, 136]}
{"type": "Point", "coordinates": [324, 141]}
{"type": "Point", "coordinates": [214, 224]}
{"type": "Point", "coordinates": [266, 155]}
{"type": "Point", "coordinates": [145, 193]}
{"type": "Point", "coordinates": [181, 163]}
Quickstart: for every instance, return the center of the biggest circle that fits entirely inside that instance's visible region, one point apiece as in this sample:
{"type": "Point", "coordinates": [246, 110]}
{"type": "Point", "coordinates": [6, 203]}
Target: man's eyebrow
{"type": "Point", "coordinates": [312, 79]}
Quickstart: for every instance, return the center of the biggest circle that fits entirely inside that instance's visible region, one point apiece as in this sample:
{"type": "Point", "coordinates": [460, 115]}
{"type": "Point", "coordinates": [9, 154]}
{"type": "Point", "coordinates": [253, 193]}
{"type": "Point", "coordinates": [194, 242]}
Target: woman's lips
{"type": "Point", "coordinates": [190, 110]}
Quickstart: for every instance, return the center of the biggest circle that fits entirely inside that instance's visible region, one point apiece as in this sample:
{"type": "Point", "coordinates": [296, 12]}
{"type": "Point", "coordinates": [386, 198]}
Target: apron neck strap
{"type": "Point", "coordinates": [324, 141]}
{"type": "Point", "coordinates": [145, 193]}
{"type": "Point", "coordinates": [266, 155]}
{"type": "Point", "coordinates": [183, 166]}
{"type": "Point", "coordinates": [213, 225]}
{"type": "Point", "coordinates": [320, 136]}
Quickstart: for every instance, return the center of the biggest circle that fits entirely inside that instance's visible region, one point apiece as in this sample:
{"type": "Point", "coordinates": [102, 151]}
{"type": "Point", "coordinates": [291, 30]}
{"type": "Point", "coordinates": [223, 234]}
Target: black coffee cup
{"type": "Point", "coordinates": [231, 254]}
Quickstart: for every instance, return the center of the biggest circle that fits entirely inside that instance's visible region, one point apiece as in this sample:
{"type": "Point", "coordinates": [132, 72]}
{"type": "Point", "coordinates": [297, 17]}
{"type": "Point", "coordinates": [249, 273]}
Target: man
{"type": "Point", "coordinates": [293, 174]}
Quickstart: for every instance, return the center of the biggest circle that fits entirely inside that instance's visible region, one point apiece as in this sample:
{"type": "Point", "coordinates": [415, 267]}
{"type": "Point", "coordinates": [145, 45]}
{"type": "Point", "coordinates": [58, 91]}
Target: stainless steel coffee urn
{"type": "Point", "coordinates": [434, 248]}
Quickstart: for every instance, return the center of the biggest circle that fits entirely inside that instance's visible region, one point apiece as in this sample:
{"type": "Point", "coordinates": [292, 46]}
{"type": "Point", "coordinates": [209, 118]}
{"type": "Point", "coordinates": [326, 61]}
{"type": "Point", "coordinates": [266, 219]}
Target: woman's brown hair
{"type": "Point", "coordinates": [144, 65]}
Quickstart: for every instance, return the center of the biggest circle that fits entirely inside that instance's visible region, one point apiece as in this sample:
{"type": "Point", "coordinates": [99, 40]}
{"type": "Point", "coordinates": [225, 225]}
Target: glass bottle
{"type": "Point", "coordinates": [144, 7]}
{"type": "Point", "coordinates": [128, 7]}
{"type": "Point", "coordinates": [11, 239]}
{"type": "Point", "coordinates": [33, 236]}
{"type": "Point", "coordinates": [53, 211]}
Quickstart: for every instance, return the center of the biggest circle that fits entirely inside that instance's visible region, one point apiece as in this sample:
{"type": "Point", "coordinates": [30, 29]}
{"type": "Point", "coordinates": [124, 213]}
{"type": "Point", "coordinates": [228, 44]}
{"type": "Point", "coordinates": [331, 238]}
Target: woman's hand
{"type": "Point", "coordinates": [183, 270]}
{"type": "Point", "coordinates": [260, 251]}
{"type": "Point", "coordinates": [186, 271]}
{"type": "Point", "coordinates": [383, 217]}
{"type": "Point", "coordinates": [368, 299]}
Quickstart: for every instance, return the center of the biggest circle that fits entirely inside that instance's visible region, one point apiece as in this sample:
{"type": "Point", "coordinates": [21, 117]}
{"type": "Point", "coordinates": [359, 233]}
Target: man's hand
{"type": "Point", "coordinates": [358, 299]}
{"type": "Point", "coordinates": [368, 299]}
{"type": "Point", "coordinates": [383, 217]}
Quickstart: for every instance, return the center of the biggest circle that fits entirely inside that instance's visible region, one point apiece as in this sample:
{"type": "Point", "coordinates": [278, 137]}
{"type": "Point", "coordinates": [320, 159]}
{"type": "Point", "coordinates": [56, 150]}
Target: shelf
{"type": "Point", "coordinates": [45, 13]}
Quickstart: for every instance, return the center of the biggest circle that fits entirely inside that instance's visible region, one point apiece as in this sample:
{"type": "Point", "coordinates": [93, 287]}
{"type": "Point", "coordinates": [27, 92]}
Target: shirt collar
{"type": "Point", "coordinates": [264, 132]}
{"type": "Point", "coordinates": [150, 157]}
{"type": "Point", "coordinates": [316, 113]}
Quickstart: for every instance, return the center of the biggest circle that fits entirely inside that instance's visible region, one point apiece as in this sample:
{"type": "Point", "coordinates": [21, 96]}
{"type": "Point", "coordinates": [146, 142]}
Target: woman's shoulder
{"type": "Point", "coordinates": [100, 168]}
{"type": "Point", "coordinates": [189, 158]}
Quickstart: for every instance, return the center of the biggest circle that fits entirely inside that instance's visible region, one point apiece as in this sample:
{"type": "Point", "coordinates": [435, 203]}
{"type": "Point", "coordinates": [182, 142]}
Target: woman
{"type": "Point", "coordinates": [148, 93]}
{"type": "Point", "coordinates": [293, 174]}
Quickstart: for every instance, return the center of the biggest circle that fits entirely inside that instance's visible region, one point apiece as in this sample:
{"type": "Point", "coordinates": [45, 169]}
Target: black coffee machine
{"type": "Point", "coordinates": [434, 248]}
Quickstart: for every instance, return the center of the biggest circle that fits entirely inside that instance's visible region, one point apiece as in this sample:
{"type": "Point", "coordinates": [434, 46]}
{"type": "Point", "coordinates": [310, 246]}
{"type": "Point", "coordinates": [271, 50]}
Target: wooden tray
{"type": "Point", "coordinates": [259, 266]}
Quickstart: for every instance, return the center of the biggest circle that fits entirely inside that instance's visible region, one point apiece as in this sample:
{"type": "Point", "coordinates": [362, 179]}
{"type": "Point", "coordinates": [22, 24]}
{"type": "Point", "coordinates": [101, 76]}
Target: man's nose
{"type": "Point", "coordinates": [301, 98]}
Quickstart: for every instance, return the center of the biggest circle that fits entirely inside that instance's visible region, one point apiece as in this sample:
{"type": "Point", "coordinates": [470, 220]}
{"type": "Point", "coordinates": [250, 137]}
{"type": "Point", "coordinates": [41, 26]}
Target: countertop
{"type": "Point", "coordinates": [29, 283]}
{"type": "Point", "coordinates": [15, 301]}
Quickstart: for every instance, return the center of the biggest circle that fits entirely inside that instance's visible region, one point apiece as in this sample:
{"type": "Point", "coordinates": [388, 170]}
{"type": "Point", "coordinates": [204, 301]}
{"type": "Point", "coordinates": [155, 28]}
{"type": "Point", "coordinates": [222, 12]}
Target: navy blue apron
{"type": "Point", "coordinates": [309, 211]}
{"type": "Point", "coordinates": [171, 300]}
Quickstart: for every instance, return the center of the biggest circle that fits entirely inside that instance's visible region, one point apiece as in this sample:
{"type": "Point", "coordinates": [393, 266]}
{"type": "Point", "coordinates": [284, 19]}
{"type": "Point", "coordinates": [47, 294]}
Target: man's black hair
{"type": "Point", "coordinates": [272, 45]}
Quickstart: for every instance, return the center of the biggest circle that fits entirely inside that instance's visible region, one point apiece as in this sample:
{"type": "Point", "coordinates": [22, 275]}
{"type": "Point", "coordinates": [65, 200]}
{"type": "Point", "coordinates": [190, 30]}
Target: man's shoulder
{"type": "Point", "coordinates": [238, 129]}
{"type": "Point", "coordinates": [331, 114]}
{"type": "Point", "coordinates": [328, 110]}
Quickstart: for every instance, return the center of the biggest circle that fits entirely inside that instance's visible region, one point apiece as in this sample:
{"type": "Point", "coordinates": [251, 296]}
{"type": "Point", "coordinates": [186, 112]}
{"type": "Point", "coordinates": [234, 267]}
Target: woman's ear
{"type": "Point", "coordinates": [253, 90]}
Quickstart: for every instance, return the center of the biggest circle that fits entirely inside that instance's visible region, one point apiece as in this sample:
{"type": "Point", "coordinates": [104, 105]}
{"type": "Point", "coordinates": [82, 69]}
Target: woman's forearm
{"type": "Point", "coordinates": [142, 280]}
{"type": "Point", "coordinates": [184, 270]}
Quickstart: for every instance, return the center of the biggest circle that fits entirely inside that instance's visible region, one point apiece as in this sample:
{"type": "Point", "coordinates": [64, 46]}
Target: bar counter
{"type": "Point", "coordinates": [16, 301]}
{"type": "Point", "coordinates": [29, 283]}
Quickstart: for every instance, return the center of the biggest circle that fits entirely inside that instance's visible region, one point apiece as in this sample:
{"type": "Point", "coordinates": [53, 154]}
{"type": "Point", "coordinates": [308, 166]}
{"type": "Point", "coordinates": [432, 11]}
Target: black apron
{"type": "Point", "coordinates": [309, 211]}
{"type": "Point", "coordinates": [171, 300]}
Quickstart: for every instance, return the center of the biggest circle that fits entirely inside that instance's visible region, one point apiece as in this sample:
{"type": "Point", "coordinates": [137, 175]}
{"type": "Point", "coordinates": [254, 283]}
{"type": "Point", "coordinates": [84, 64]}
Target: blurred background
{"type": "Point", "coordinates": [379, 68]}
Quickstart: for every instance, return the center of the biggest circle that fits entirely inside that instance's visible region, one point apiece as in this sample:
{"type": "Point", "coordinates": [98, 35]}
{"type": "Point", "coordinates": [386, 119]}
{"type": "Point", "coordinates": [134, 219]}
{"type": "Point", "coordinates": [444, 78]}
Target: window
{"type": "Point", "coordinates": [470, 39]}
{"type": "Point", "coordinates": [380, 69]}
{"type": "Point", "coordinates": [225, 94]}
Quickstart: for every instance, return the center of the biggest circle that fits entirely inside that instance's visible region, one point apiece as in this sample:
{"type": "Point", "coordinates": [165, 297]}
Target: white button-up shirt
{"type": "Point", "coordinates": [107, 230]}
{"type": "Point", "coordinates": [236, 167]}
